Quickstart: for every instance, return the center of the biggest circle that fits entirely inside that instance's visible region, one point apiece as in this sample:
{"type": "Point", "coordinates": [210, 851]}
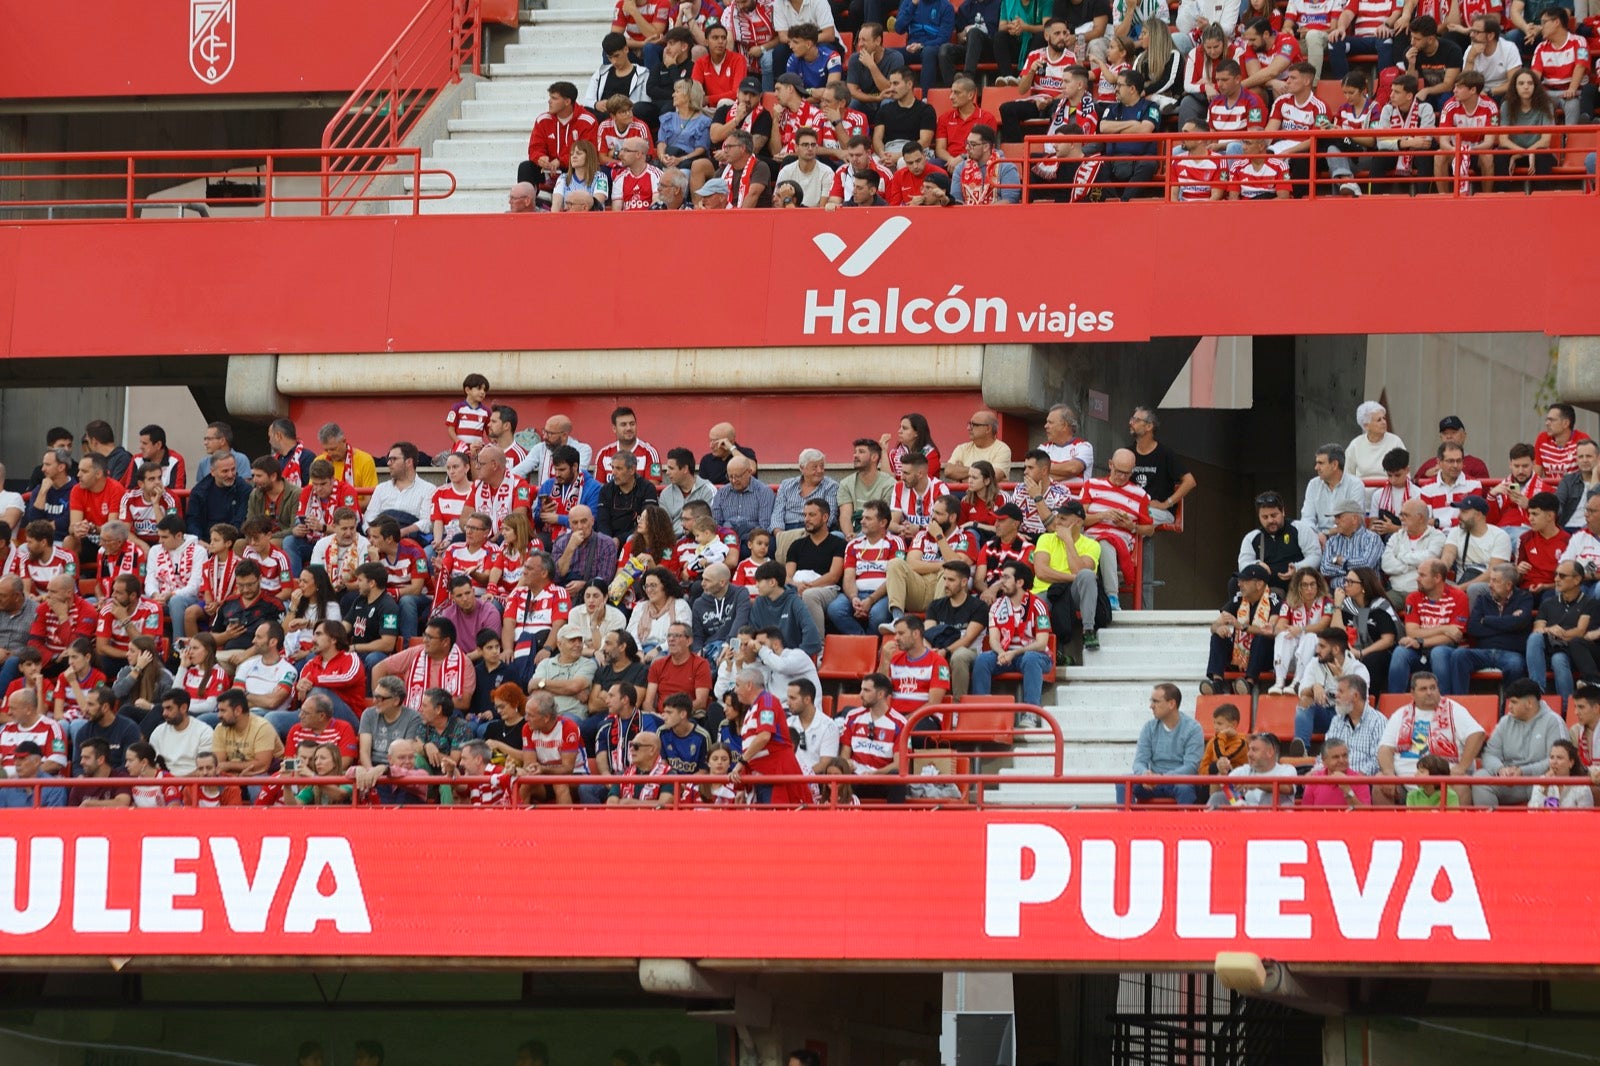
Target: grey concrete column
{"type": "Point", "coordinates": [1578, 371]}
{"type": "Point", "coordinates": [252, 388]}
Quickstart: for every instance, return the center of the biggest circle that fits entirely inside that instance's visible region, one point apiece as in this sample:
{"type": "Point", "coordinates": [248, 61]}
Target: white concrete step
{"type": "Point", "coordinates": [598, 17]}
{"type": "Point", "coordinates": [499, 149]}
{"type": "Point", "coordinates": [1182, 653]}
{"type": "Point", "coordinates": [473, 173]}
{"type": "Point", "coordinates": [509, 113]}
{"type": "Point", "coordinates": [1165, 618]}
{"type": "Point", "coordinates": [1150, 672]}
{"type": "Point", "coordinates": [464, 202]}
{"type": "Point", "coordinates": [1054, 796]}
{"type": "Point", "coordinates": [570, 44]}
{"type": "Point", "coordinates": [603, 12]}
{"type": "Point", "coordinates": [533, 92]}
{"type": "Point", "coordinates": [511, 121]}
{"type": "Point", "coordinates": [573, 64]}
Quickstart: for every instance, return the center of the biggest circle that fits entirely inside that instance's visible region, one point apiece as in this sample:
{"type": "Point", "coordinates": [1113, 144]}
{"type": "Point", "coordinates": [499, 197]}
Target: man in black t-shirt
{"type": "Point", "coordinates": [374, 619]}
{"type": "Point", "coordinates": [902, 117]}
{"type": "Point", "coordinates": [1435, 60]}
{"type": "Point", "coordinates": [619, 654]}
{"type": "Point", "coordinates": [745, 114]}
{"type": "Point", "coordinates": [1089, 20]}
{"type": "Point", "coordinates": [1156, 467]}
{"type": "Point", "coordinates": [815, 561]}
{"type": "Point", "coordinates": [955, 624]}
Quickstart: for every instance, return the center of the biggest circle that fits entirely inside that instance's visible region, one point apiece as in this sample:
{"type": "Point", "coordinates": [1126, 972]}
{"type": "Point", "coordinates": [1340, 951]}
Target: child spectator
{"type": "Point", "coordinates": [1427, 794]}
{"type": "Point", "coordinates": [468, 421]}
{"type": "Point", "coordinates": [1226, 749]}
{"type": "Point", "coordinates": [759, 545]}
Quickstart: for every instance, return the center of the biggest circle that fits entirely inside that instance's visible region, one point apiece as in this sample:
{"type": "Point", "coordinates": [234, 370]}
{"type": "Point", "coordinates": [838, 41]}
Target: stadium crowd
{"type": "Point", "coordinates": [806, 103]}
{"type": "Point", "coordinates": [549, 609]}
{"type": "Point", "coordinates": [1401, 590]}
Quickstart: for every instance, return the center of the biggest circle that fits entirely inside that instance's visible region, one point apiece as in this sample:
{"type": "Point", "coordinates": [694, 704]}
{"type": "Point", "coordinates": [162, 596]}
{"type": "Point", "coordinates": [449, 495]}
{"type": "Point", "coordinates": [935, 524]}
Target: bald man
{"type": "Point", "coordinates": [557, 431]}
{"type": "Point", "coordinates": [644, 761]}
{"type": "Point", "coordinates": [723, 444]}
{"type": "Point", "coordinates": [1116, 513]}
{"type": "Point", "coordinates": [520, 200]}
{"type": "Point", "coordinates": [982, 443]}
{"type": "Point", "coordinates": [583, 553]}
{"type": "Point", "coordinates": [497, 492]}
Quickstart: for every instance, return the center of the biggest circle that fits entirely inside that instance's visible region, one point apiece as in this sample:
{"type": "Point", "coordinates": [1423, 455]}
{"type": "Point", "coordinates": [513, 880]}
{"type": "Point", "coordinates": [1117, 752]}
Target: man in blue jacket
{"type": "Point", "coordinates": [927, 25]}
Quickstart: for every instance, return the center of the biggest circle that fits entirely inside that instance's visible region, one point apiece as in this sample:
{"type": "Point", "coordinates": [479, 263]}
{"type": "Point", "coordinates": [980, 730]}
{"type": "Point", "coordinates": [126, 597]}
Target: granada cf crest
{"type": "Point", "coordinates": [211, 39]}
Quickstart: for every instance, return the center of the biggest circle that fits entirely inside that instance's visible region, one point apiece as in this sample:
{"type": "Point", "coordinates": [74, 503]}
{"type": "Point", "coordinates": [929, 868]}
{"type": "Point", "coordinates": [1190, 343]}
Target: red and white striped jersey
{"type": "Point", "coordinates": [1258, 179]}
{"type": "Point", "coordinates": [531, 613]}
{"type": "Point", "coordinates": [653, 11]}
{"type": "Point", "coordinates": [1244, 112]}
{"type": "Point", "coordinates": [458, 558]}
{"type": "Point", "coordinates": [1054, 77]}
{"type": "Point", "coordinates": [1105, 89]}
{"type": "Point", "coordinates": [870, 560]}
{"type": "Point", "coordinates": [46, 732]}
{"type": "Point", "coordinates": [512, 494]}
{"type": "Point", "coordinates": [634, 192]}
{"type": "Point", "coordinates": [844, 178]}
{"type": "Point", "coordinates": [608, 138]}
{"type": "Point", "coordinates": [1315, 14]}
{"type": "Point", "coordinates": [791, 121]}
{"type": "Point", "coordinates": [1482, 113]}
{"type": "Point", "coordinates": [1078, 449]}
{"type": "Point", "coordinates": [1282, 46]}
{"type": "Point", "coordinates": [322, 507]}
{"type": "Point", "coordinates": [1442, 499]}
{"type": "Point", "coordinates": [1557, 460]}
{"type": "Point", "coordinates": [548, 748]}
{"type": "Point", "coordinates": [871, 741]}
{"type": "Point", "coordinates": [470, 423]}
{"type": "Point", "coordinates": [142, 515]}
{"type": "Point", "coordinates": [408, 564]}
{"type": "Point", "coordinates": [914, 505]}
{"type": "Point", "coordinates": [855, 125]}
{"type": "Point", "coordinates": [745, 573]}
{"type": "Point", "coordinates": [275, 570]}
{"type": "Point", "coordinates": [448, 505]}
{"type": "Point", "coordinates": [71, 711]}
{"type": "Point", "coordinates": [748, 28]}
{"type": "Point", "coordinates": [1019, 625]}
{"type": "Point", "coordinates": [493, 792]}
{"type": "Point", "coordinates": [1471, 9]}
{"type": "Point", "coordinates": [1294, 114]}
{"type": "Point", "coordinates": [1369, 15]}
{"type": "Point", "coordinates": [146, 620]}
{"type": "Point", "coordinates": [647, 461]}
{"type": "Point", "coordinates": [1099, 494]}
{"type": "Point", "coordinates": [925, 547]}
{"type": "Point", "coordinates": [36, 573]}
{"type": "Point", "coordinates": [915, 679]}
{"type": "Point", "coordinates": [1557, 65]}
{"type": "Point", "coordinates": [1196, 176]}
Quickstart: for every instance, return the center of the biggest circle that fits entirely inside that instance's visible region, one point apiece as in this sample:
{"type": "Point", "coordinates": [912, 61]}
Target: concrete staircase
{"type": "Point", "coordinates": [491, 137]}
{"type": "Point", "coordinates": [1102, 705]}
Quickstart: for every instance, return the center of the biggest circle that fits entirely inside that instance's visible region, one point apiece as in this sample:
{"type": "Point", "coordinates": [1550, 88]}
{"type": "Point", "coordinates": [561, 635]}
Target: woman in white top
{"type": "Point", "coordinates": [1563, 763]}
{"type": "Point", "coordinates": [662, 604]}
{"type": "Point", "coordinates": [596, 618]}
{"type": "Point", "coordinates": [313, 601]}
{"type": "Point", "coordinates": [1363, 457]}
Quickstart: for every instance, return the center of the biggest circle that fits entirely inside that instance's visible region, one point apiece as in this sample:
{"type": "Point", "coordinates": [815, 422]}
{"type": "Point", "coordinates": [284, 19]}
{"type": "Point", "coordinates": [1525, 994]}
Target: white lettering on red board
{"type": "Point", "coordinates": [1029, 870]}
{"type": "Point", "coordinates": [167, 896]}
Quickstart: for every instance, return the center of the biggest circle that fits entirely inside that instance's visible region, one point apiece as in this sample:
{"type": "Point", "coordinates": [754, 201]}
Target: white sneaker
{"type": "Point", "coordinates": [1350, 188]}
{"type": "Point", "coordinates": [1277, 690]}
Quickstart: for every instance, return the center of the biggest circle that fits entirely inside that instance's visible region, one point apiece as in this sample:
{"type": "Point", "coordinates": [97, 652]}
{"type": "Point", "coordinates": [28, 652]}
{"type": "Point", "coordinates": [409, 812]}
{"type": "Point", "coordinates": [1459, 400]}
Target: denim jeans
{"type": "Point", "coordinates": [1309, 721]}
{"type": "Point", "coordinates": [1033, 665]}
{"type": "Point", "coordinates": [1567, 662]}
{"type": "Point", "coordinates": [841, 612]}
{"type": "Point", "coordinates": [1403, 663]}
{"type": "Point", "coordinates": [1186, 794]}
{"type": "Point", "coordinates": [1463, 661]}
{"type": "Point", "coordinates": [1339, 53]}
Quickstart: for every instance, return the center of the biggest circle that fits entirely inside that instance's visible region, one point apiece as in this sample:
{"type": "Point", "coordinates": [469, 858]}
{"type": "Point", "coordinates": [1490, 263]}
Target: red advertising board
{"type": "Point", "coordinates": [1018, 887]}
{"type": "Point", "coordinates": [1042, 274]}
{"type": "Point", "coordinates": [193, 47]}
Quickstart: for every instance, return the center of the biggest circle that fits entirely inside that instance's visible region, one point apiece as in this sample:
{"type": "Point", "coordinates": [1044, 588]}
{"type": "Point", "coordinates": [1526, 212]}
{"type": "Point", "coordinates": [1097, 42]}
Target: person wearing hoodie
{"type": "Point", "coordinates": [718, 612]}
{"type": "Point", "coordinates": [776, 606]}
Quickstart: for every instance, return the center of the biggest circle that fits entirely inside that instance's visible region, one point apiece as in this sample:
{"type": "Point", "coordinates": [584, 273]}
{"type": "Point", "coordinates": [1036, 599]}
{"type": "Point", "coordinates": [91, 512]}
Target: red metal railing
{"type": "Point", "coordinates": [1397, 172]}
{"type": "Point", "coordinates": [377, 117]}
{"type": "Point", "coordinates": [971, 785]}
{"type": "Point", "coordinates": [263, 179]}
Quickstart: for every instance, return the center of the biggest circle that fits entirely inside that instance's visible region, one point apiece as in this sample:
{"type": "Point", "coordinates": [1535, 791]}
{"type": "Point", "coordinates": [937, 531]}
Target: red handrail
{"type": "Point", "coordinates": [383, 110]}
{"type": "Point", "coordinates": [122, 172]}
{"type": "Point", "coordinates": [1566, 141]}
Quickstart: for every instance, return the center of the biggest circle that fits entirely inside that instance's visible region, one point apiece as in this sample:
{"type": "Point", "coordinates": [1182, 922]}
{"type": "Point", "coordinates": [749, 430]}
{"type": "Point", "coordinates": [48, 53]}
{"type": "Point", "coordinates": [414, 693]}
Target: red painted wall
{"type": "Point", "coordinates": [777, 427]}
{"type": "Point", "coordinates": [143, 47]}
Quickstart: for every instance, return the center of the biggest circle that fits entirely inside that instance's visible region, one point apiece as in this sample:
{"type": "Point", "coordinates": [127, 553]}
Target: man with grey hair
{"type": "Point", "coordinates": [17, 611]}
{"type": "Point", "coordinates": [672, 191]}
{"type": "Point", "coordinates": [746, 179]}
{"type": "Point", "coordinates": [1417, 541]}
{"type": "Point", "coordinates": [1332, 784]}
{"type": "Point", "coordinates": [1071, 457]}
{"type": "Point", "coordinates": [383, 725]}
{"type": "Point", "coordinates": [1518, 748]}
{"type": "Point", "coordinates": [350, 464]}
{"type": "Point", "coordinates": [520, 200]}
{"type": "Point", "coordinates": [1498, 624]}
{"type": "Point", "coordinates": [576, 200]}
{"type": "Point", "coordinates": [788, 509]}
{"type": "Point", "coordinates": [1330, 486]}
{"type": "Point", "coordinates": [744, 503]}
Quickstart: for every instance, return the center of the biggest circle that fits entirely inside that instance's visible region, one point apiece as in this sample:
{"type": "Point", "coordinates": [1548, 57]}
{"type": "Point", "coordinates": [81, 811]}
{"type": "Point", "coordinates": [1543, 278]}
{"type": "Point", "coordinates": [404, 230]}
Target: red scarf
{"type": "Point", "coordinates": [643, 790]}
{"type": "Point", "coordinates": [220, 587]}
{"type": "Point", "coordinates": [349, 475]}
{"type": "Point", "coordinates": [112, 567]}
{"type": "Point", "coordinates": [290, 461]}
{"type": "Point", "coordinates": [738, 187]}
{"type": "Point", "coordinates": [980, 184]}
{"type": "Point", "coordinates": [1441, 733]}
{"type": "Point", "coordinates": [450, 674]}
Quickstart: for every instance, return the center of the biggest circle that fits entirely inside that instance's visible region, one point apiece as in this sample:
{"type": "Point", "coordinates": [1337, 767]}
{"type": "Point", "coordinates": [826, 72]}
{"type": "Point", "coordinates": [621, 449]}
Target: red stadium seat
{"type": "Point", "coordinates": [1206, 706]}
{"type": "Point", "coordinates": [1486, 709]}
{"type": "Point", "coordinates": [983, 726]}
{"type": "Point", "coordinates": [505, 12]}
{"type": "Point", "coordinates": [995, 95]}
{"type": "Point", "coordinates": [1275, 715]}
{"type": "Point", "coordinates": [940, 99]}
{"type": "Point", "coordinates": [847, 658]}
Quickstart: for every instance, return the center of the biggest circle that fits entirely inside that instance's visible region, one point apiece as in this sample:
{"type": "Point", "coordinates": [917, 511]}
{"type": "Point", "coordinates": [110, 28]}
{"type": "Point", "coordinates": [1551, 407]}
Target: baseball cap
{"type": "Point", "coordinates": [937, 177]}
{"type": "Point", "coordinates": [750, 85]}
{"type": "Point", "coordinates": [1449, 422]}
{"type": "Point", "coordinates": [28, 747]}
{"type": "Point", "coordinates": [1473, 503]}
{"type": "Point", "coordinates": [1348, 507]}
{"type": "Point", "coordinates": [570, 632]}
{"type": "Point", "coordinates": [711, 187]}
{"type": "Point", "coordinates": [1072, 507]}
{"type": "Point", "coordinates": [1255, 572]}
{"type": "Point", "coordinates": [794, 81]}
{"type": "Point", "coordinates": [1009, 510]}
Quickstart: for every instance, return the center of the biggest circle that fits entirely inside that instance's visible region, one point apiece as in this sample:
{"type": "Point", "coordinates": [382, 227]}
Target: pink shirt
{"type": "Point", "coordinates": [1318, 794]}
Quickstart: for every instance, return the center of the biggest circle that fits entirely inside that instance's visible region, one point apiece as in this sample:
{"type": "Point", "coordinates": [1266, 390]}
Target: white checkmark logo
{"type": "Point", "coordinates": [870, 251]}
